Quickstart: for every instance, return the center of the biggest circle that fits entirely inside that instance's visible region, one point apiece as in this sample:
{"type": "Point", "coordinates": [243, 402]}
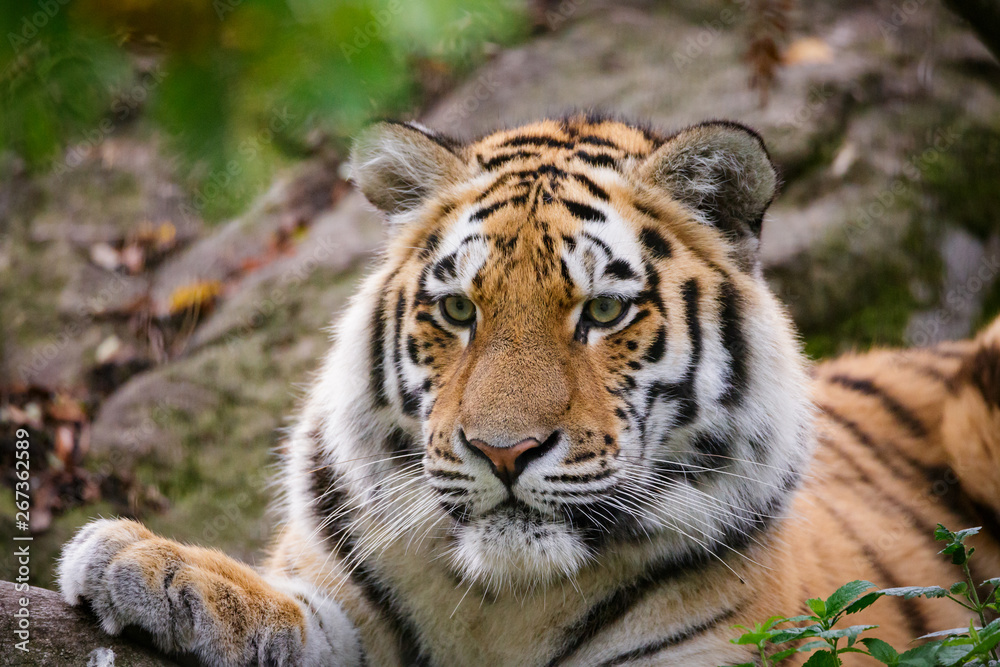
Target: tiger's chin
{"type": "Point", "coordinates": [512, 549]}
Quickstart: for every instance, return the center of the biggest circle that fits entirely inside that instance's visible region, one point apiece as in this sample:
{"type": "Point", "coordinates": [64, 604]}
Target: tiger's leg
{"type": "Point", "coordinates": [201, 601]}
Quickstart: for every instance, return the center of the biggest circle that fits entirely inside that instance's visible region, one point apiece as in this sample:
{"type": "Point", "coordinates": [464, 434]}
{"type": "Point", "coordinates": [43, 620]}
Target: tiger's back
{"type": "Point", "coordinates": [566, 423]}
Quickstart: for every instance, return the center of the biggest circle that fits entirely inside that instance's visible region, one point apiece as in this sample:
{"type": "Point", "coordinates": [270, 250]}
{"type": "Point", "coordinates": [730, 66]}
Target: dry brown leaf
{"type": "Point", "coordinates": [65, 443]}
{"type": "Point", "coordinates": [199, 295]}
{"type": "Point", "coordinates": [64, 408]}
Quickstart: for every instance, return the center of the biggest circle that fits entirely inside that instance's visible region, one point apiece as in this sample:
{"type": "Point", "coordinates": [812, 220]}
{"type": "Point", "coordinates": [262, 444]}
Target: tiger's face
{"type": "Point", "coordinates": [574, 334]}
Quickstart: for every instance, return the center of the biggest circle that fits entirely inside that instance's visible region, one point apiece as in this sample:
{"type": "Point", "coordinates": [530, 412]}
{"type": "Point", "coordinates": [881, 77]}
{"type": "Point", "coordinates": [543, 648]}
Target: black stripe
{"type": "Point", "coordinates": [537, 140]}
{"type": "Point", "coordinates": [592, 187]}
{"type": "Point", "coordinates": [672, 640]}
{"type": "Point", "coordinates": [422, 296]}
{"type": "Point", "coordinates": [684, 392]}
{"type": "Point", "coordinates": [596, 141]}
{"type": "Point", "coordinates": [863, 438]}
{"type": "Point", "coordinates": [384, 602]}
{"type": "Point", "coordinates": [599, 243]}
{"type": "Point", "coordinates": [902, 414]}
{"type": "Point", "coordinates": [450, 474]}
{"type": "Point", "coordinates": [587, 477]}
{"type": "Point", "coordinates": [376, 349]}
{"type": "Point", "coordinates": [656, 351]}
{"type": "Point", "coordinates": [618, 604]}
{"type": "Point", "coordinates": [646, 210]}
{"type": "Point", "coordinates": [502, 180]}
{"type": "Point", "coordinates": [564, 271]}
{"type": "Point", "coordinates": [915, 365]}
{"type": "Point", "coordinates": [658, 246]}
{"type": "Point", "coordinates": [400, 442]}
{"type": "Point", "coordinates": [486, 211]}
{"type": "Point", "coordinates": [430, 245]}
{"type": "Point", "coordinates": [583, 211]}
{"type": "Point", "coordinates": [500, 160]}
{"type": "Point", "coordinates": [690, 293]}
{"type": "Point", "coordinates": [902, 508]}
{"type": "Point", "coordinates": [411, 350]}
{"type": "Point", "coordinates": [409, 401]}
{"type": "Point", "coordinates": [714, 446]}
{"type": "Point", "coordinates": [331, 498]}
{"type": "Point", "coordinates": [620, 269]}
{"type": "Point", "coordinates": [427, 318]}
{"type": "Point", "coordinates": [735, 344]}
{"type": "Point", "coordinates": [597, 159]}
{"type": "Point", "coordinates": [445, 268]}
{"type": "Point", "coordinates": [912, 611]}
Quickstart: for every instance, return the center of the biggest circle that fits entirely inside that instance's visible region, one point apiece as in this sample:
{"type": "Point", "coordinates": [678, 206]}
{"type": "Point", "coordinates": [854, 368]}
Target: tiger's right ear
{"type": "Point", "coordinates": [398, 165]}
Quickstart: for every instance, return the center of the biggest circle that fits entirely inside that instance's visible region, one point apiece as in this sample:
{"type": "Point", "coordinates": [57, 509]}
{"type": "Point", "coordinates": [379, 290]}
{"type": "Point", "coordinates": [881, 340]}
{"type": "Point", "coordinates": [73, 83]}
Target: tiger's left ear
{"type": "Point", "coordinates": [399, 165]}
{"type": "Point", "coordinates": [722, 171]}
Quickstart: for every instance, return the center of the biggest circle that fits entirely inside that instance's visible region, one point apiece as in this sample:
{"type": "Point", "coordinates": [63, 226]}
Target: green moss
{"type": "Point", "coordinates": [963, 179]}
{"type": "Point", "coordinates": [844, 298]}
{"type": "Point", "coordinates": [991, 306]}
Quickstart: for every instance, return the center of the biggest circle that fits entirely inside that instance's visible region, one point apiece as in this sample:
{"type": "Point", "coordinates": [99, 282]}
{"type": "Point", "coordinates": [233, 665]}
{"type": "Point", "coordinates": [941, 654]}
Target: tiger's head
{"type": "Point", "coordinates": [572, 330]}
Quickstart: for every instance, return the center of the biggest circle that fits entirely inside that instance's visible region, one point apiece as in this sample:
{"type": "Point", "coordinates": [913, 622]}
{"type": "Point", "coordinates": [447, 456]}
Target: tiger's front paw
{"type": "Point", "coordinates": [190, 599]}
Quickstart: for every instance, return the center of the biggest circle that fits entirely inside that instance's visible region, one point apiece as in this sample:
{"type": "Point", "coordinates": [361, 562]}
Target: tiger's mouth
{"type": "Point", "coordinates": [515, 509]}
{"type": "Point", "coordinates": [515, 544]}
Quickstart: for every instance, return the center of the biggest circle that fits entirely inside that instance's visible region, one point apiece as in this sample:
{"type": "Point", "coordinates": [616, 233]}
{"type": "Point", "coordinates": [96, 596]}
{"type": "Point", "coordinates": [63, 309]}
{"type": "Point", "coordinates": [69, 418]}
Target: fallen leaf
{"type": "Point", "coordinates": [64, 444]}
{"type": "Point", "coordinates": [807, 51]}
{"type": "Point", "coordinates": [198, 295]}
{"type": "Point", "coordinates": [66, 409]}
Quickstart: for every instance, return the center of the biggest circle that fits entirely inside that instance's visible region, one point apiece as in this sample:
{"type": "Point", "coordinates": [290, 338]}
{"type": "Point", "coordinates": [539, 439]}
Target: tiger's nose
{"type": "Point", "coordinates": [508, 463]}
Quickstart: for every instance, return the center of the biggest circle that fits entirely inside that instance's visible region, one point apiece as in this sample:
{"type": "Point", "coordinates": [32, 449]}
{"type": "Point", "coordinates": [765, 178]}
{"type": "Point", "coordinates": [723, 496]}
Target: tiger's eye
{"type": "Point", "coordinates": [604, 309]}
{"type": "Point", "coordinates": [458, 310]}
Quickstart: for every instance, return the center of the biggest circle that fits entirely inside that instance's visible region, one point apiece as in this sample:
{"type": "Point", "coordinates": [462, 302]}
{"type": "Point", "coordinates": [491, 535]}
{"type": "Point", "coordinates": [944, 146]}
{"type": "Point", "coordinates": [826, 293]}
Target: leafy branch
{"type": "Point", "coordinates": [974, 645]}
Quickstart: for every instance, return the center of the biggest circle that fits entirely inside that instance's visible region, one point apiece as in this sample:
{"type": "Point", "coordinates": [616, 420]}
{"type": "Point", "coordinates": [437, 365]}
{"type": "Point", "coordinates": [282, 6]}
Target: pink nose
{"type": "Point", "coordinates": [508, 462]}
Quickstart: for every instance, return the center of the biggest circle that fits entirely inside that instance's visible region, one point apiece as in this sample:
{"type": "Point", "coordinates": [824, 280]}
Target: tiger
{"type": "Point", "coordinates": [566, 422]}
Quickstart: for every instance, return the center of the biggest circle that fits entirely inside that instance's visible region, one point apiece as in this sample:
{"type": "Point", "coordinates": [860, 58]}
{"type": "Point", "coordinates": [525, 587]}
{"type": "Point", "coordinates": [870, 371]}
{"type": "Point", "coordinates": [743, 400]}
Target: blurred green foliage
{"type": "Point", "coordinates": [237, 86]}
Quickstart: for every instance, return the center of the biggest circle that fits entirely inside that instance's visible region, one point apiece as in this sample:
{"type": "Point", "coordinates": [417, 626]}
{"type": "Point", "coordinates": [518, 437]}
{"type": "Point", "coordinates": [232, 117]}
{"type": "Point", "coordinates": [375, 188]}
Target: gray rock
{"type": "Point", "coordinates": [61, 635]}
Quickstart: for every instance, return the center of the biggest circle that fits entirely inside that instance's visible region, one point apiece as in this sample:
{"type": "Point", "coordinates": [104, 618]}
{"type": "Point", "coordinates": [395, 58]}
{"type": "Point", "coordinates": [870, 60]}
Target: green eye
{"type": "Point", "coordinates": [458, 310]}
{"type": "Point", "coordinates": [604, 310]}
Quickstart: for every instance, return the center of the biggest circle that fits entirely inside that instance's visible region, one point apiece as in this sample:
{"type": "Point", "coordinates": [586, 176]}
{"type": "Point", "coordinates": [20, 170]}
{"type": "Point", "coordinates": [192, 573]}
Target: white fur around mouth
{"type": "Point", "coordinates": [514, 545]}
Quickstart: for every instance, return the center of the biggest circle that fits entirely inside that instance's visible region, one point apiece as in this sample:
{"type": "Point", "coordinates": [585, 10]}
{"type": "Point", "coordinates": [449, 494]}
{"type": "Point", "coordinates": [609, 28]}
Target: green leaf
{"type": "Point", "coordinates": [921, 656]}
{"type": "Point", "coordinates": [881, 650]}
{"type": "Point", "coordinates": [946, 633]}
{"type": "Point", "coordinates": [942, 534]}
{"type": "Point", "coordinates": [822, 659]}
{"type": "Point", "coordinates": [851, 633]}
{"type": "Point", "coordinates": [781, 655]}
{"type": "Point", "coordinates": [908, 592]}
{"type": "Point", "coordinates": [811, 646]}
{"type": "Point", "coordinates": [995, 581]}
{"type": "Point", "coordinates": [846, 594]}
{"type": "Point", "coordinates": [752, 638]}
{"type": "Point", "coordinates": [863, 602]}
{"type": "Point", "coordinates": [788, 634]}
{"type": "Point", "coordinates": [818, 606]}
{"type": "Point", "coordinates": [959, 588]}
{"type": "Point", "coordinates": [968, 532]}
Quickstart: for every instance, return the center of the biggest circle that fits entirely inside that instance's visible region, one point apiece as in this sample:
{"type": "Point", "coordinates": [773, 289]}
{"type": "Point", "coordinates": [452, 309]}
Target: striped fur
{"type": "Point", "coordinates": [688, 475]}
